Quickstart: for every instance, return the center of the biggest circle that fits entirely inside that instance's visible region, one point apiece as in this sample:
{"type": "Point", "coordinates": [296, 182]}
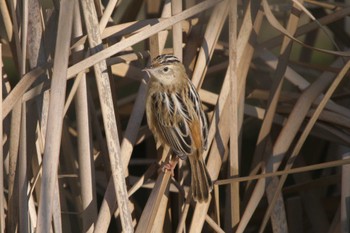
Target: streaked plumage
{"type": "Point", "coordinates": [176, 118]}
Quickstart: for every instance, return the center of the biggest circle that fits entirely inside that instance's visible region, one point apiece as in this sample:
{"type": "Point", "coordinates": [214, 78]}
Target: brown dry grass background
{"type": "Point", "coordinates": [77, 155]}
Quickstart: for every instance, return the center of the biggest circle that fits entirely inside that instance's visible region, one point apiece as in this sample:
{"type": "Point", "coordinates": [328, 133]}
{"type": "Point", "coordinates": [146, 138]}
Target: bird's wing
{"type": "Point", "coordinates": [181, 120]}
{"type": "Point", "coordinates": [173, 122]}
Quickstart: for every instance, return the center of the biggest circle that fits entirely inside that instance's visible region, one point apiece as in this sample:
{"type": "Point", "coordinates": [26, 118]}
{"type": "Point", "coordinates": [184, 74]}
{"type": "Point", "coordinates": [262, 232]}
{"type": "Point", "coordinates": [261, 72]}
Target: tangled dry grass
{"type": "Point", "coordinates": [77, 155]}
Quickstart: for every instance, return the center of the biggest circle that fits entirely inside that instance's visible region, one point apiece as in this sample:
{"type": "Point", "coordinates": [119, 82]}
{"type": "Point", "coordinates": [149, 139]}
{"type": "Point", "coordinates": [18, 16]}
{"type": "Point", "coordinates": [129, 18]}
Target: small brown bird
{"type": "Point", "coordinates": [176, 118]}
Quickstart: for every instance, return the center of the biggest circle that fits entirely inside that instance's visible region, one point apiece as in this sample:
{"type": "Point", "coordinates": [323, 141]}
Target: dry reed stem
{"type": "Point", "coordinates": [18, 91]}
{"type": "Point", "coordinates": [319, 166]}
{"type": "Point", "coordinates": [148, 217]}
{"type": "Point", "coordinates": [22, 157]}
{"type": "Point", "coordinates": [22, 174]}
{"type": "Point", "coordinates": [56, 213]}
{"type": "Point", "coordinates": [6, 19]}
{"type": "Point", "coordinates": [13, 154]}
{"type": "Point", "coordinates": [213, 224]}
{"type": "Point", "coordinates": [16, 34]}
{"type": "Point", "coordinates": [108, 205]}
{"type": "Point", "coordinates": [344, 215]}
{"type": "Point", "coordinates": [245, 48]}
{"type": "Point", "coordinates": [13, 204]}
{"type": "Point", "coordinates": [176, 7]}
{"type": "Point", "coordinates": [251, 24]}
{"type": "Point", "coordinates": [157, 201]}
{"type": "Point", "coordinates": [162, 35]}
{"type": "Point", "coordinates": [86, 165]}
{"type": "Point", "coordinates": [107, 14]}
{"type": "Point", "coordinates": [2, 198]}
{"type": "Point", "coordinates": [233, 198]}
{"type": "Point", "coordinates": [53, 136]}
{"type": "Point", "coordinates": [184, 211]}
{"type": "Point", "coordinates": [158, 224]}
{"type": "Point", "coordinates": [110, 125]}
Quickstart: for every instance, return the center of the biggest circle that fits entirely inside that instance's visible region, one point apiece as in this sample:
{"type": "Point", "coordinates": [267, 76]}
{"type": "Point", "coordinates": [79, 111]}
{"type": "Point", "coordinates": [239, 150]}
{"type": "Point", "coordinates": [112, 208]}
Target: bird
{"type": "Point", "coordinates": [176, 118]}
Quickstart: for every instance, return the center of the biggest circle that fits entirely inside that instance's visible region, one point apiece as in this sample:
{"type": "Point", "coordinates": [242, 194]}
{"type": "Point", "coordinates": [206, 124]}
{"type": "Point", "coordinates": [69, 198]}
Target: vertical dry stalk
{"type": "Point", "coordinates": [7, 19]}
{"type": "Point", "coordinates": [22, 165]}
{"type": "Point", "coordinates": [344, 205]}
{"type": "Point", "coordinates": [233, 198]}
{"type": "Point", "coordinates": [176, 7]}
{"type": "Point", "coordinates": [109, 119]}
{"type": "Point", "coordinates": [107, 14]}
{"type": "Point", "coordinates": [2, 198]}
{"type": "Point", "coordinates": [15, 133]}
{"type": "Point", "coordinates": [86, 166]}
{"type": "Point", "coordinates": [55, 118]}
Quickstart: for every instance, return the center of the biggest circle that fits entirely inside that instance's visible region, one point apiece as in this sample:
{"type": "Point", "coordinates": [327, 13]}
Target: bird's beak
{"type": "Point", "coordinates": [148, 70]}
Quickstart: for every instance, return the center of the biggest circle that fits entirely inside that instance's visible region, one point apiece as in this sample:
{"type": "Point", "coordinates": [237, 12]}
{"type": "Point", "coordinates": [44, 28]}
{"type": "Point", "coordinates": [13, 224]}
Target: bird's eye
{"type": "Point", "coordinates": [166, 69]}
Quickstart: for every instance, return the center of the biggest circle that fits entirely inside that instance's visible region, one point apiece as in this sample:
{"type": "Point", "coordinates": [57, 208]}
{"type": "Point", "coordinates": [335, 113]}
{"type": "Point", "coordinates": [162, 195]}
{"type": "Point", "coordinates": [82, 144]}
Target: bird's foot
{"type": "Point", "coordinates": [170, 166]}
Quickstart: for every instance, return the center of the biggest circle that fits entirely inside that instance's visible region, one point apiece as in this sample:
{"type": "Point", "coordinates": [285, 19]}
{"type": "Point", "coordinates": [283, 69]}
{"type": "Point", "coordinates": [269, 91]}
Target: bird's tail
{"type": "Point", "coordinates": [201, 182]}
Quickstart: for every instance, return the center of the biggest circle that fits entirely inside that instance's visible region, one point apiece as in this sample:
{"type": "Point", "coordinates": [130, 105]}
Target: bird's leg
{"type": "Point", "coordinates": [170, 166]}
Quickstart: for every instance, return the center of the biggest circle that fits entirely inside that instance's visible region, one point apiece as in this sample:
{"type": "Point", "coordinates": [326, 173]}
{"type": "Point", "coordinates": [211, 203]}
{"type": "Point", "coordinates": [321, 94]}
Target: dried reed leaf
{"type": "Point", "coordinates": [110, 51]}
{"type": "Point", "coordinates": [274, 22]}
{"type": "Point", "coordinates": [304, 29]}
{"type": "Point", "coordinates": [214, 27]}
{"type": "Point", "coordinates": [301, 83]}
{"type": "Point", "coordinates": [285, 138]}
{"type": "Point", "coordinates": [309, 126]}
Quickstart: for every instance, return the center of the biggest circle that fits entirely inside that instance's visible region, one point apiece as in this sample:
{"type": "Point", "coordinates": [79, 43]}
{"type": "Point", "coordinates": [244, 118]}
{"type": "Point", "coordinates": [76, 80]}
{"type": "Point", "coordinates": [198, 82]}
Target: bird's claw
{"type": "Point", "coordinates": [170, 166]}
